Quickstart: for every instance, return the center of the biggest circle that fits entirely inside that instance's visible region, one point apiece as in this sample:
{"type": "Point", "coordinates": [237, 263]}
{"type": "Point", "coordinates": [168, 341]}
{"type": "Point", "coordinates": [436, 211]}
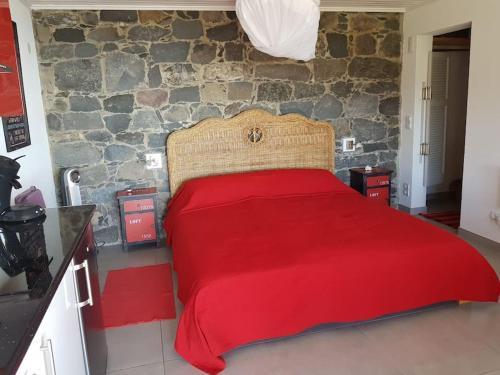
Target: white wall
{"type": "Point", "coordinates": [481, 190]}
{"type": "Point", "coordinates": [36, 167]}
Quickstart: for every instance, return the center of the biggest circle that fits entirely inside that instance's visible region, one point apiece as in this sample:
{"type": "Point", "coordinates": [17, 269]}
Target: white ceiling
{"type": "Point", "coordinates": [326, 5]}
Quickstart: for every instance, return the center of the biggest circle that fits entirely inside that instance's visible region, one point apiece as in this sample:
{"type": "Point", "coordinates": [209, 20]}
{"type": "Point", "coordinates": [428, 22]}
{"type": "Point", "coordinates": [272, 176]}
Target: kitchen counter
{"type": "Point", "coordinates": [33, 259]}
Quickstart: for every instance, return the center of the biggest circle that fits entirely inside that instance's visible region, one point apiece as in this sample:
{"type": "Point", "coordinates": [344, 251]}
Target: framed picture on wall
{"type": "Point", "coordinates": [16, 132]}
{"type": "Point", "coordinates": [12, 99]}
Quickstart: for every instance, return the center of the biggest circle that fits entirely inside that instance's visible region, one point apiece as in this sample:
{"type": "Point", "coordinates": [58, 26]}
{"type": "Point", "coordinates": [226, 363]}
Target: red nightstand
{"type": "Point", "coordinates": [138, 216]}
{"type": "Point", "coordinates": [375, 184]}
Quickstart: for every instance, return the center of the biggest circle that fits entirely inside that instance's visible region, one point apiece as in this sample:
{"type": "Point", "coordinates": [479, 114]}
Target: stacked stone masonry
{"type": "Point", "coordinates": [116, 83]}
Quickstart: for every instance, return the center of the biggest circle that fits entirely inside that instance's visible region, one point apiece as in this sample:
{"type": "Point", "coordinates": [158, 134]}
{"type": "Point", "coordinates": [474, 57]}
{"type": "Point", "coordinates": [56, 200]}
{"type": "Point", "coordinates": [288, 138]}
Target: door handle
{"type": "Point", "coordinates": [425, 149]}
{"type": "Point", "coordinates": [50, 367]}
{"type": "Point", "coordinates": [426, 93]}
{"type": "Point", "coordinates": [85, 266]}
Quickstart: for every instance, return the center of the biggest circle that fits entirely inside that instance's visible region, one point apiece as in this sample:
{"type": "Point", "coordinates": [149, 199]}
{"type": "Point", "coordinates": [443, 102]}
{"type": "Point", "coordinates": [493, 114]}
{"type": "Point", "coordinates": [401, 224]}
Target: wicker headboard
{"type": "Point", "coordinates": [252, 140]}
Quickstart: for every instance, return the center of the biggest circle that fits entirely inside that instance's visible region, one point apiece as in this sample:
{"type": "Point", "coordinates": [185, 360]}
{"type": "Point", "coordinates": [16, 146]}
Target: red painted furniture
{"type": "Point", "coordinates": [374, 184]}
{"type": "Point", "coordinates": [138, 209]}
{"type": "Point", "coordinates": [10, 89]}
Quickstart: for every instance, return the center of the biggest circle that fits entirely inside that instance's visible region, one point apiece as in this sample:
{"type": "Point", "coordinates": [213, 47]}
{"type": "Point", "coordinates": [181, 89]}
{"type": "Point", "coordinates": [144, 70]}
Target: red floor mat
{"type": "Point", "coordinates": [138, 295]}
{"type": "Point", "coordinates": [449, 218]}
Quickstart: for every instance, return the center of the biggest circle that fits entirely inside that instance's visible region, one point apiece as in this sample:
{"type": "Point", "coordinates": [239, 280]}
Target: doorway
{"type": "Point", "coordinates": [445, 100]}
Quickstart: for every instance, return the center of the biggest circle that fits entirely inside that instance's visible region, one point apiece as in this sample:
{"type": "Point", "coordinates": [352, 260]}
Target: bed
{"type": "Point", "coordinates": [267, 242]}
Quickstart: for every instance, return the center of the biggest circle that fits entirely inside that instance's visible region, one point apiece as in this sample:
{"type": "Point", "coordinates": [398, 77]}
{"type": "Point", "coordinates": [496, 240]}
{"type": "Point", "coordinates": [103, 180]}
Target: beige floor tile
{"type": "Point", "coordinates": [329, 351]}
{"type": "Point", "coordinates": [112, 258]}
{"type": "Point", "coordinates": [154, 369]}
{"type": "Point", "coordinates": [180, 367]}
{"type": "Point", "coordinates": [133, 346]}
{"type": "Point", "coordinates": [482, 320]}
{"type": "Point", "coordinates": [432, 343]}
{"type": "Point", "coordinates": [168, 331]}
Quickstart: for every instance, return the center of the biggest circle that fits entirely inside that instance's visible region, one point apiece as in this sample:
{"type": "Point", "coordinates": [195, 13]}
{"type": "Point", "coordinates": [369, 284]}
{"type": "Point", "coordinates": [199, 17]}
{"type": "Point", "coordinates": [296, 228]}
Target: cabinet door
{"type": "Point", "coordinates": [139, 205]}
{"type": "Point", "coordinates": [57, 347]}
{"type": "Point", "coordinates": [61, 333]}
{"type": "Point", "coordinates": [378, 194]}
{"type": "Point", "coordinates": [34, 361]}
{"type": "Point", "coordinates": [140, 227]}
{"type": "Point", "coordinates": [91, 315]}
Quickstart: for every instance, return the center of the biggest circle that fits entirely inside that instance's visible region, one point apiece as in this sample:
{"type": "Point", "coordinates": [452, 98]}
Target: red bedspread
{"type": "Point", "coordinates": [269, 254]}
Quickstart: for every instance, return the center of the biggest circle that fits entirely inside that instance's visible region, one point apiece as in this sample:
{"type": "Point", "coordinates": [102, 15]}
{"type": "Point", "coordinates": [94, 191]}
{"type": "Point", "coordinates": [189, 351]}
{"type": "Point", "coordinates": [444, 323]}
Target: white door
{"type": "Point", "coordinates": [436, 121]}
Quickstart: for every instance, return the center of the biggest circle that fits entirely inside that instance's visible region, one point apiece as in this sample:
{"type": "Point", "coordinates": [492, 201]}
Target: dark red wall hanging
{"type": "Point", "coordinates": [12, 103]}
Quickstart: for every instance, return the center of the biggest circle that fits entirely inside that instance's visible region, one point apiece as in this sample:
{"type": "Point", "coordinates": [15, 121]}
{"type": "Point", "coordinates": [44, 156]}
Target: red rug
{"type": "Point", "coordinates": [138, 295]}
{"type": "Point", "coordinates": [449, 218]}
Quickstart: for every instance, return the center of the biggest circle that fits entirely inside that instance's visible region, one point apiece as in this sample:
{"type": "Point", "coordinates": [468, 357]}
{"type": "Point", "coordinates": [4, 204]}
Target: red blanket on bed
{"type": "Point", "coordinates": [269, 254]}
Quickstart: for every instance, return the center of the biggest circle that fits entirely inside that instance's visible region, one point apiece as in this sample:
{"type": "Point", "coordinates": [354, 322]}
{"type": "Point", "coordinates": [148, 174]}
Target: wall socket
{"type": "Point", "coordinates": [348, 144]}
{"type": "Point", "coordinates": [495, 215]}
{"type": "Point", "coordinates": [409, 122]}
{"type": "Point", "coordinates": [153, 161]}
{"type": "Point", "coordinates": [406, 189]}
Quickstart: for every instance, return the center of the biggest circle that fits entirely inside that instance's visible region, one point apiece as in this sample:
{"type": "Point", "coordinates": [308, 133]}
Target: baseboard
{"type": "Point", "coordinates": [466, 235]}
{"type": "Point", "coordinates": [412, 211]}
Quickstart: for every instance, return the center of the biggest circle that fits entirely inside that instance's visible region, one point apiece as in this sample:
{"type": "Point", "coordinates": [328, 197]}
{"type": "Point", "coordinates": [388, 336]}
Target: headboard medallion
{"type": "Point", "coordinates": [252, 140]}
{"type": "Point", "coordinates": [255, 134]}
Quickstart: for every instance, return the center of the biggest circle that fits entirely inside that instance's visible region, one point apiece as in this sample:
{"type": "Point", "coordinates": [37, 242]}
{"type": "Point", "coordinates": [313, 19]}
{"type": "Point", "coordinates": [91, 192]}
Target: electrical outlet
{"type": "Point", "coordinates": [411, 46]}
{"type": "Point", "coordinates": [406, 190]}
{"type": "Point", "coordinates": [153, 161]}
{"type": "Point", "coordinates": [495, 215]}
{"type": "Point", "coordinates": [348, 144]}
{"type": "Point", "coordinates": [409, 122]}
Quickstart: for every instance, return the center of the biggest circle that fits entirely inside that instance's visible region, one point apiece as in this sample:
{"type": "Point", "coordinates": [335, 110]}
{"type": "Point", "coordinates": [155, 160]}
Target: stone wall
{"type": "Point", "coordinates": [116, 83]}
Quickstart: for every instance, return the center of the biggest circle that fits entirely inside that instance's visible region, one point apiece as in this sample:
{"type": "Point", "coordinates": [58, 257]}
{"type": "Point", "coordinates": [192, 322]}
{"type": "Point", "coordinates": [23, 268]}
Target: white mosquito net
{"type": "Point", "coordinates": [281, 28]}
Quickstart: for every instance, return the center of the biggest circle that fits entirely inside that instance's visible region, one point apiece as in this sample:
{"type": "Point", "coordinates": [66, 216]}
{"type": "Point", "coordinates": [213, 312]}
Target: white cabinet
{"type": "Point", "coordinates": [57, 348]}
{"type": "Point", "coordinates": [34, 361]}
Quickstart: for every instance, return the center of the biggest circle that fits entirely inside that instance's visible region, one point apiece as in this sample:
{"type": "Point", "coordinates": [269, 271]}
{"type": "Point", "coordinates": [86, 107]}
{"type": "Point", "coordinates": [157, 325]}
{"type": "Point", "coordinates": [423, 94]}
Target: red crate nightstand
{"type": "Point", "coordinates": [374, 184]}
{"type": "Point", "coordinates": [138, 216]}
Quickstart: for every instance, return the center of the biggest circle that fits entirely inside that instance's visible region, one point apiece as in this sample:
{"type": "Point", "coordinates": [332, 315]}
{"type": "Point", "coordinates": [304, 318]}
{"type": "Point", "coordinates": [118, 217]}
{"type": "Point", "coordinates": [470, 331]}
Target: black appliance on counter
{"type": "Point", "coordinates": [20, 213]}
{"type": "Point", "coordinates": [22, 249]}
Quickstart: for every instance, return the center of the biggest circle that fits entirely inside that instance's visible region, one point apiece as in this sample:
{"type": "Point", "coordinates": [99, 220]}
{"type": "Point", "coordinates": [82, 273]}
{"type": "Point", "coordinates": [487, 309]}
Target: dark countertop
{"type": "Point", "coordinates": [33, 260]}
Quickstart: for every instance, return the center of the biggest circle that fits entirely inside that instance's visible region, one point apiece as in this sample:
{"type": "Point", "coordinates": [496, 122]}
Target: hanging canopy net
{"type": "Point", "coordinates": [281, 28]}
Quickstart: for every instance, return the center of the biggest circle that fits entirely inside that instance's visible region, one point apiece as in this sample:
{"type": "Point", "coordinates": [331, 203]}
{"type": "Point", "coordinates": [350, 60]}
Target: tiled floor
{"type": "Point", "coordinates": [449, 339]}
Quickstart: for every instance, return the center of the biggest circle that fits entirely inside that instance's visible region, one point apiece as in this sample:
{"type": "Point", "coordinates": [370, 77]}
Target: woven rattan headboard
{"type": "Point", "coordinates": [252, 140]}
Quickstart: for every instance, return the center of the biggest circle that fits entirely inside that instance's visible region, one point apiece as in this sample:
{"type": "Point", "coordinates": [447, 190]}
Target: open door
{"type": "Point", "coordinates": [436, 101]}
{"type": "Point", "coordinates": [435, 122]}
